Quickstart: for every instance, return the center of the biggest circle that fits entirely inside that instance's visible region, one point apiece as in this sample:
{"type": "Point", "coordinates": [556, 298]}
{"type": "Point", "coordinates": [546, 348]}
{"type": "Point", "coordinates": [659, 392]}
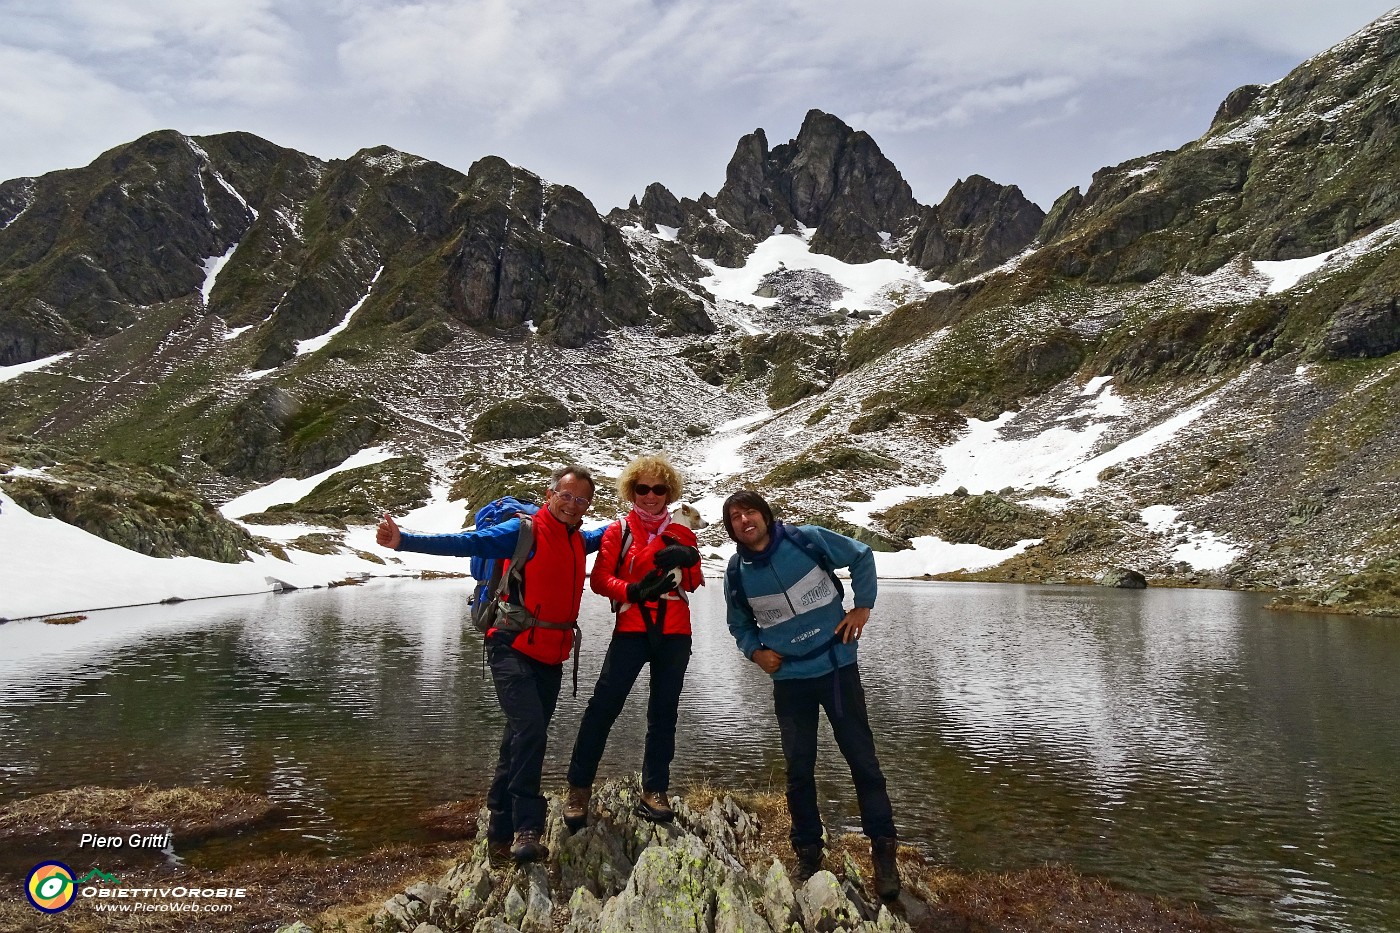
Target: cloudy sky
{"type": "Point", "coordinates": [609, 95]}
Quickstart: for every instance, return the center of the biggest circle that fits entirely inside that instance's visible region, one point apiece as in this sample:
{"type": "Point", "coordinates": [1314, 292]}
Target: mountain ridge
{"type": "Point", "coordinates": [251, 313]}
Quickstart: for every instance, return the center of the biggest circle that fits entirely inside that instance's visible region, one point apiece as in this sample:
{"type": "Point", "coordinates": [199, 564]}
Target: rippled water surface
{"type": "Point", "coordinates": [1177, 742]}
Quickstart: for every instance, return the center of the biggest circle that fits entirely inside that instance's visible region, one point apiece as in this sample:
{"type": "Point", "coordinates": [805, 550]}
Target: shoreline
{"type": "Point", "coordinates": [1281, 601]}
{"type": "Point", "coordinates": [338, 894]}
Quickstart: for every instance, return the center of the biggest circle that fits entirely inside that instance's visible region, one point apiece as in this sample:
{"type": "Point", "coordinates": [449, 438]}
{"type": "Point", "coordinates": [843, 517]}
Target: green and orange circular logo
{"type": "Point", "coordinates": [50, 887]}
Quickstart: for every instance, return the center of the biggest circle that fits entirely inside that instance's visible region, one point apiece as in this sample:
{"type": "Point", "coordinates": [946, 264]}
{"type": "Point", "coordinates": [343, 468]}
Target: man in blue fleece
{"type": "Point", "coordinates": [786, 614]}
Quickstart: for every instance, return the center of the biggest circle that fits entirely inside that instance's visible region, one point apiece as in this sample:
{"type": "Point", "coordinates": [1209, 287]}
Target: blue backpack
{"type": "Point", "coordinates": [490, 582]}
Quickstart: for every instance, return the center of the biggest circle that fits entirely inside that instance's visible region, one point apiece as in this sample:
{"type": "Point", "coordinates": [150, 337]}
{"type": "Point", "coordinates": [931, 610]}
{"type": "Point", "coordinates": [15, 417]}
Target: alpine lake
{"type": "Point", "coordinates": [1188, 743]}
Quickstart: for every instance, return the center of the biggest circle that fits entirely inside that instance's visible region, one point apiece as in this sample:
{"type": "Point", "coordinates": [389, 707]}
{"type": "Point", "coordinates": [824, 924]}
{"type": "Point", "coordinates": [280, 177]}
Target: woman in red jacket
{"type": "Point", "coordinates": [646, 565]}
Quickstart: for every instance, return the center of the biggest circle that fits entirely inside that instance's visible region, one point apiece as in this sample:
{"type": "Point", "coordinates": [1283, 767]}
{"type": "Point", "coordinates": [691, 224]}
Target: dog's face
{"type": "Point", "coordinates": [683, 513]}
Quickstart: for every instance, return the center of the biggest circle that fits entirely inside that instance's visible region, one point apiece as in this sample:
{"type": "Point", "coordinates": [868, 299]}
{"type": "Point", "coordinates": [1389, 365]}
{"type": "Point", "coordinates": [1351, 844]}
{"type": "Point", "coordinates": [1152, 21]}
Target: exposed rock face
{"type": "Point", "coordinates": [977, 226]}
{"type": "Point", "coordinates": [149, 510]}
{"type": "Point", "coordinates": [83, 251]}
{"type": "Point", "coordinates": [93, 245]}
{"type": "Point", "coordinates": [1364, 328]}
{"type": "Point", "coordinates": [660, 206]}
{"type": "Point", "coordinates": [527, 253]}
{"type": "Point", "coordinates": [830, 177]}
{"type": "Point", "coordinates": [621, 873]}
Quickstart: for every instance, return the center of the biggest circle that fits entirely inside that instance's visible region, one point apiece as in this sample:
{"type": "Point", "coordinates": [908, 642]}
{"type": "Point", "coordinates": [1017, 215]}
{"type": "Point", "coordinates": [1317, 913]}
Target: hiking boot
{"type": "Point", "coordinates": [882, 855]}
{"type": "Point", "coordinates": [809, 861]}
{"type": "Point", "coordinates": [655, 807]}
{"type": "Point", "coordinates": [576, 807]}
{"type": "Point", "coordinates": [528, 848]}
{"type": "Point", "coordinates": [498, 852]}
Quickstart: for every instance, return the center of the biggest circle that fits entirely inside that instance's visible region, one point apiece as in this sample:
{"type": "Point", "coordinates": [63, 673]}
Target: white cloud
{"type": "Point", "coordinates": [1020, 90]}
{"type": "Point", "coordinates": [48, 98]}
{"type": "Point", "coordinates": [195, 51]}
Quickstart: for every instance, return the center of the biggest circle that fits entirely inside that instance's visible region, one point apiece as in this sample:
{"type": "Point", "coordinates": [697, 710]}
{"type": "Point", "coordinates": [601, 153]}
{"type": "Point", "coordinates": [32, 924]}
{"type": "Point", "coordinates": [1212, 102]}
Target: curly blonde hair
{"type": "Point", "coordinates": [649, 465]}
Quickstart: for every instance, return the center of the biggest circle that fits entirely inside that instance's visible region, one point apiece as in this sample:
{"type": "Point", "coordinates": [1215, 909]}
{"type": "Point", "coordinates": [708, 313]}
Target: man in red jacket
{"type": "Point", "coordinates": [527, 650]}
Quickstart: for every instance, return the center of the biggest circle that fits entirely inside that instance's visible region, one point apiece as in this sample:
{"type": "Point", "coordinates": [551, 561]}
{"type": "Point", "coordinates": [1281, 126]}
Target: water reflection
{"type": "Point", "coordinates": [1180, 742]}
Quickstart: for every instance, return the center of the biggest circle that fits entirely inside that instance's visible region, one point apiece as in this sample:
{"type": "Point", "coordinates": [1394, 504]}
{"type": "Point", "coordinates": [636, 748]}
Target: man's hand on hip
{"type": "Point", "coordinates": [854, 623]}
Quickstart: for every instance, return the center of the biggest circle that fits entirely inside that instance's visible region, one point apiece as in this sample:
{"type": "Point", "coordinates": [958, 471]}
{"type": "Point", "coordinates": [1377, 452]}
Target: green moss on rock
{"type": "Point", "coordinates": [145, 509]}
{"type": "Point", "coordinates": [824, 460]}
{"type": "Point", "coordinates": [363, 494]}
{"type": "Point", "coordinates": [987, 520]}
{"type": "Point", "coordinates": [520, 418]}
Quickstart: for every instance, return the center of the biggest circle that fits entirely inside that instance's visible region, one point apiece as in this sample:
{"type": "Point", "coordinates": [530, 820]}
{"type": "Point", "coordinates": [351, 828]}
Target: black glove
{"type": "Point", "coordinates": [677, 555]}
{"type": "Point", "coordinates": [649, 589]}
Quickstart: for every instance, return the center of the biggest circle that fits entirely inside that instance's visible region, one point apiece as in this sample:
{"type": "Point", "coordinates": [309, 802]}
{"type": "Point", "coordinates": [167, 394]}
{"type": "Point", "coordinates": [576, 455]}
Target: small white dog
{"type": "Point", "coordinates": [683, 513]}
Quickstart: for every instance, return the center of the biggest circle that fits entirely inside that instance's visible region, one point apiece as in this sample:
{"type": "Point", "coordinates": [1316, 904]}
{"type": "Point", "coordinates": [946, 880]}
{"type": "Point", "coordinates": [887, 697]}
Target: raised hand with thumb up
{"type": "Point", "coordinates": [387, 534]}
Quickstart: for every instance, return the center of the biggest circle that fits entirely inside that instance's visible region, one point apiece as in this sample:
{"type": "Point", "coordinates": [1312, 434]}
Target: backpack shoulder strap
{"type": "Point", "coordinates": [623, 545]}
{"type": "Point", "coordinates": [622, 548]}
{"type": "Point", "coordinates": [735, 583]}
{"type": "Point", "coordinates": [524, 542]}
{"type": "Point", "coordinates": [817, 555]}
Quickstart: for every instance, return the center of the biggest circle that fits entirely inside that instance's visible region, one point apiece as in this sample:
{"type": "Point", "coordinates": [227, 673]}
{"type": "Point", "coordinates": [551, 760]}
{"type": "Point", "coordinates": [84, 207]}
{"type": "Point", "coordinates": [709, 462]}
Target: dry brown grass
{"type": "Point", "coordinates": [339, 895]}
{"type": "Point", "coordinates": [332, 895]}
{"type": "Point", "coordinates": [63, 620]}
{"type": "Point", "coordinates": [1051, 899]}
{"type": "Point", "coordinates": [185, 810]}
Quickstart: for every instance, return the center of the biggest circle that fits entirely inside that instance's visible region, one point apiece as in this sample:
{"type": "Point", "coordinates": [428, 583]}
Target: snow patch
{"type": "Point", "coordinates": [669, 234]}
{"type": "Point", "coordinates": [1283, 274]}
{"type": "Point", "coordinates": [212, 266]}
{"type": "Point", "coordinates": [287, 490]}
{"type": "Point", "coordinates": [111, 575]}
{"type": "Point", "coordinates": [391, 162]}
{"type": "Point", "coordinates": [1093, 386]}
{"type": "Point", "coordinates": [19, 369]}
{"type": "Point", "coordinates": [1202, 550]}
{"type": "Point", "coordinates": [866, 284]}
{"type": "Point", "coordinates": [1244, 133]}
{"type": "Point", "coordinates": [721, 455]}
{"type": "Point", "coordinates": [989, 457]}
{"type": "Point", "coordinates": [237, 331]}
{"type": "Point", "coordinates": [316, 343]}
{"type": "Point", "coordinates": [932, 555]}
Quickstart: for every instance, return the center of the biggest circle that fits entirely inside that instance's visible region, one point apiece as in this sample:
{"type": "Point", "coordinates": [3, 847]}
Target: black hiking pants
{"type": "Point", "coordinates": [669, 656]}
{"type": "Point", "coordinates": [797, 702]}
{"type": "Point", "coordinates": [527, 691]}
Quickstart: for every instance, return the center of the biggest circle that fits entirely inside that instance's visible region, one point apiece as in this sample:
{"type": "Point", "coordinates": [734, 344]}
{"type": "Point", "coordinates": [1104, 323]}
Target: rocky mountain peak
{"type": "Point", "coordinates": [977, 226]}
{"type": "Point", "coordinates": [130, 230]}
{"type": "Point", "coordinates": [830, 177]}
{"type": "Point", "coordinates": [1285, 171]}
{"type": "Point", "coordinates": [660, 206]}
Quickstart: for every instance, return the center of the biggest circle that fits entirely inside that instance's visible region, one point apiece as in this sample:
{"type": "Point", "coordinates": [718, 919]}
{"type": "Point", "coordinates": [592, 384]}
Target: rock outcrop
{"type": "Point", "coordinates": [831, 178]}
{"type": "Point", "coordinates": [977, 226]}
{"type": "Point", "coordinates": [701, 874]}
{"type": "Point", "coordinates": [150, 510]}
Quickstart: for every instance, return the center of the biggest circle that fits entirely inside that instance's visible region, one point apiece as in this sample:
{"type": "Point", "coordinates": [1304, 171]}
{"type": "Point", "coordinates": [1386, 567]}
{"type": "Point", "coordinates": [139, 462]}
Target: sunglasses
{"type": "Point", "coordinates": [642, 489]}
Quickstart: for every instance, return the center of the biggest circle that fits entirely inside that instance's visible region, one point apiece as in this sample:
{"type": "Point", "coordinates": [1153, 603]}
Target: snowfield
{"type": "Point", "coordinates": [51, 567]}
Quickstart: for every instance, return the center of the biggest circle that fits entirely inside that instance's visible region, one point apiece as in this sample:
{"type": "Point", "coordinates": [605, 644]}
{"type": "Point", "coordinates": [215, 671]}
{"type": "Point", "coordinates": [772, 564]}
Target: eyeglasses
{"type": "Point", "coordinates": [642, 489]}
{"type": "Point", "coordinates": [565, 498]}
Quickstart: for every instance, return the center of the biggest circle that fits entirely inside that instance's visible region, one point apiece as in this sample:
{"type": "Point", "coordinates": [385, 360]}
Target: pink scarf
{"type": "Point", "coordinates": [651, 524]}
